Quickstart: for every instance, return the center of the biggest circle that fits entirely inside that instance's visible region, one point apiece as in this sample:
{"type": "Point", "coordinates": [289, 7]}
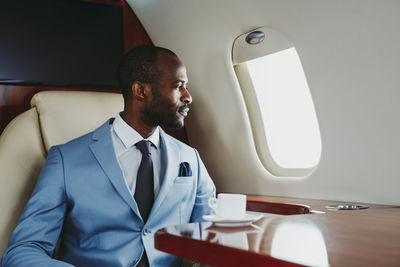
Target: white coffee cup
{"type": "Point", "coordinates": [228, 206]}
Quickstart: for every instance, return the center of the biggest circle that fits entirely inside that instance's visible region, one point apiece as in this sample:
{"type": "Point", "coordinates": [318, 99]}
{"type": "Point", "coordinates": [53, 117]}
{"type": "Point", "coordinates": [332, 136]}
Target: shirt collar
{"type": "Point", "coordinates": [130, 136]}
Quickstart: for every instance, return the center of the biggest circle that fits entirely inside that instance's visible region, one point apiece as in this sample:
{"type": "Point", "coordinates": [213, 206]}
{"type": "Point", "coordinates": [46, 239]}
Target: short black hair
{"type": "Point", "coordinates": [139, 64]}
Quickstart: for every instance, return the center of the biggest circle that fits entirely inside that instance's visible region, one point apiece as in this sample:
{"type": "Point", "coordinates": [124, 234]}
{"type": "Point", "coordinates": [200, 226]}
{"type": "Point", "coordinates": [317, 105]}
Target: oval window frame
{"type": "Point", "coordinates": [242, 52]}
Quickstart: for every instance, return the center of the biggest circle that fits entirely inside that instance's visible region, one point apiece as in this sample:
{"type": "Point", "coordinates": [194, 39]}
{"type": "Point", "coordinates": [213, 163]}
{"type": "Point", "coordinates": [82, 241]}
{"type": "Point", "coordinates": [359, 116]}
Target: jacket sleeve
{"type": "Point", "coordinates": [205, 190]}
{"type": "Point", "coordinates": [33, 241]}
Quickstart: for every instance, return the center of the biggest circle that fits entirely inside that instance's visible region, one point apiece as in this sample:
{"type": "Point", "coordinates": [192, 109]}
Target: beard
{"type": "Point", "coordinates": [161, 113]}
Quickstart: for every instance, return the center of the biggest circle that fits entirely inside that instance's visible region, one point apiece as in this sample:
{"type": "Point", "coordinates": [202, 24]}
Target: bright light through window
{"type": "Point", "coordinates": [290, 122]}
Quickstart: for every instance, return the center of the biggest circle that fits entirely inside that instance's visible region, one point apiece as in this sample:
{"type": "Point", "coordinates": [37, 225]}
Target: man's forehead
{"type": "Point", "coordinates": [171, 65]}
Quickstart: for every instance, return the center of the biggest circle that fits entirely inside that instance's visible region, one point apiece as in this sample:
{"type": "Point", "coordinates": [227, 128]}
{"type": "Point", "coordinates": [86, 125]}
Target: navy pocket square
{"type": "Point", "coordinates": [184, 169]}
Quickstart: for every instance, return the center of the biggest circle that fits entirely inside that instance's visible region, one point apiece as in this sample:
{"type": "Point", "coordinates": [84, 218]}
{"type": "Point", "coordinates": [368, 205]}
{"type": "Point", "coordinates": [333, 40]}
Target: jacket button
{"type": "Point", "coordinates": [146, 231]}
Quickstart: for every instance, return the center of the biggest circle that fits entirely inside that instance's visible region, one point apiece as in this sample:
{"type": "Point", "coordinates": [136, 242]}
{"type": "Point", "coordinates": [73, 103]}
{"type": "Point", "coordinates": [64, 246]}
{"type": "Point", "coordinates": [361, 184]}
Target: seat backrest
{"type": "Point", "coordinates": [55, 118]}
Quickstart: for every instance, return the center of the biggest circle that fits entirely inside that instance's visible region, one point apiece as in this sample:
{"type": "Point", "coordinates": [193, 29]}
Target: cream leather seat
{"type": "Point", "coordinates": [55, 118]}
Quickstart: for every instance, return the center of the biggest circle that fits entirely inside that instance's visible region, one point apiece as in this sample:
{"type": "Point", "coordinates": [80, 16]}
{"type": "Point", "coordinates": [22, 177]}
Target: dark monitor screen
{"type": "Point", "coordinates": [60, 42]}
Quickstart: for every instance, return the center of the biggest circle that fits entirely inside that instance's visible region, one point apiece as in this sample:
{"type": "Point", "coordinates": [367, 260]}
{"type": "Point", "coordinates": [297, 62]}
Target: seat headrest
{"type": "Point", "coordinates": [65, 115]}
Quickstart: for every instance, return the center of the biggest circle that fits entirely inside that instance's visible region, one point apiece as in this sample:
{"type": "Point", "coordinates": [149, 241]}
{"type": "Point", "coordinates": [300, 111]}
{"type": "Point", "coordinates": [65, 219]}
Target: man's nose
{"type": "Point", "coordinates": [186, 97]}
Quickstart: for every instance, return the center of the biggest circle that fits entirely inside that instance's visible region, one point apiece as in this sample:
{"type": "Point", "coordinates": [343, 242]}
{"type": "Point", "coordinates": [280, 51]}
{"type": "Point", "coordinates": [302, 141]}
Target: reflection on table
{"type": "Point", "coordinates": [368, 237]}
{"type": "Point", "coordinates": [299, 242]}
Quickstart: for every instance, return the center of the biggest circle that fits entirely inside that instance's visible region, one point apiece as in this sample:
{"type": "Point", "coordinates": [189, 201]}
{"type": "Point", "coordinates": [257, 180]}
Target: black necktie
{"type": "Point", "coordinates": [144, 192]}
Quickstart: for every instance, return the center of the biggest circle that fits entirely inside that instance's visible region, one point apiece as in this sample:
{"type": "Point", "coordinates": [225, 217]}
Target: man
{"type": "Point", "coordinates": [106, 193]}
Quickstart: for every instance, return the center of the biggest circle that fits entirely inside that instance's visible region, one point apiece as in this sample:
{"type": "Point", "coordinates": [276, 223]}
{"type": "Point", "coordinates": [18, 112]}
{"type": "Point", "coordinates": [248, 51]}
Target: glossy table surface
{"type": "Point", "coordinates": [308, 234]}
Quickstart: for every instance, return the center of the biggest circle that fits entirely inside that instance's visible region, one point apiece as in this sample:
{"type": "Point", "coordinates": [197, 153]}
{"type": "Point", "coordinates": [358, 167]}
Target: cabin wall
{"type": "Point", "coordinates": [351, 57]}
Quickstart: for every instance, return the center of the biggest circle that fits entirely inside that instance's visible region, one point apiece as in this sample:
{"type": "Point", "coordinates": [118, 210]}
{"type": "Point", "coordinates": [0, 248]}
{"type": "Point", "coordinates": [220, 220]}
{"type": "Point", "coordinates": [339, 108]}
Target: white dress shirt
{"type": "Point", "coordinates": [124, 138]}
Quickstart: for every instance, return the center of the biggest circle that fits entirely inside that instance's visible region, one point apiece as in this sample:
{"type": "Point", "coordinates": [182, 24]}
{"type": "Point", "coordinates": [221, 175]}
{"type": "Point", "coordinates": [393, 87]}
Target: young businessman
{"type": "Point", "coordinates": [106, 193]}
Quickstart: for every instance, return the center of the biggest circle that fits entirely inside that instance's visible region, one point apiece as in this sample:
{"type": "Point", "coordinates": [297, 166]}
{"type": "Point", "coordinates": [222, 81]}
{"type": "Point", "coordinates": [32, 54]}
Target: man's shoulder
{"type": "Point", "coordinates": [85, 139]}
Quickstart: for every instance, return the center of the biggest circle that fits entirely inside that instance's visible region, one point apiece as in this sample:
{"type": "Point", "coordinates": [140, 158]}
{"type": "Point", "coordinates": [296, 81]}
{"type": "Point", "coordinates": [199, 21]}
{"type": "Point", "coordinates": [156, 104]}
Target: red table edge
{"type": "Point", "coordinates": [277, 208]}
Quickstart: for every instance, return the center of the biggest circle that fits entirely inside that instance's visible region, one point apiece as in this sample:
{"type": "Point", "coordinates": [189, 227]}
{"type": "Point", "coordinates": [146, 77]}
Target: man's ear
{"type": "Point", "coordinates": [138, 90]}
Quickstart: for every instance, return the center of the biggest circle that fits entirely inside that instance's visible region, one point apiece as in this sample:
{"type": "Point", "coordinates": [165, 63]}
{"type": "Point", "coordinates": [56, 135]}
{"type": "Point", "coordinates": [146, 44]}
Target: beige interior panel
{"type": "Point", "coordinates": [351, 57]}
{"type": "Point", "coordinates": [64, 118]}
{"type": "Point", "coordinates": [16, 146]}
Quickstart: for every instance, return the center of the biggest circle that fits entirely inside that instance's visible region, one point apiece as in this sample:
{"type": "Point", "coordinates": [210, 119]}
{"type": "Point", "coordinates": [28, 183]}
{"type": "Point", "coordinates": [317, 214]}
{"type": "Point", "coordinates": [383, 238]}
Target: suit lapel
{"type": "Point", "coordinates": [103, 149]}
{"type": "Point", "coordinates": [169, 160]}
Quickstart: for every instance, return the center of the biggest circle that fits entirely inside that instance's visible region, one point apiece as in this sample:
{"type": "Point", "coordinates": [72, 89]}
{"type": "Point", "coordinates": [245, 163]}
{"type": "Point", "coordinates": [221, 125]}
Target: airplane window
{"type": "Point", "coordinates": [281, 110]}
{"type": "Point", "coordinates": [289, 118]}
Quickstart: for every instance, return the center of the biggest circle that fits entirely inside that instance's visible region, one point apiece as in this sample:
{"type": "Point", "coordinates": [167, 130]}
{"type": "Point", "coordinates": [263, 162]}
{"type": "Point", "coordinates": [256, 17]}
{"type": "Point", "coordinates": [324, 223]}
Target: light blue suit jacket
{"type": "Point", "coordinates": [82, 197]}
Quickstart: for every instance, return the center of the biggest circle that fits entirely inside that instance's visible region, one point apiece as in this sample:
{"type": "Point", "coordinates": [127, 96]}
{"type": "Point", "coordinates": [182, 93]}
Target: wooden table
{"type": "Point", "coordinates": [300, 232]}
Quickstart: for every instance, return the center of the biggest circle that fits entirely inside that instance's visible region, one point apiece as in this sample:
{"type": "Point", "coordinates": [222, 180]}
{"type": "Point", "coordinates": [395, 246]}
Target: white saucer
{"type": "Point", "coordinates": [234, 230]}
{"type": "Point", "coordinates": [246, 220]}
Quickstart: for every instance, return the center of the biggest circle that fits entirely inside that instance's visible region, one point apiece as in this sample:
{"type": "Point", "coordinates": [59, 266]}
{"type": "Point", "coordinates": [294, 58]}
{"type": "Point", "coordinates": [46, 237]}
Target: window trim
{"type": "Point", "coordinates": [255, 116]}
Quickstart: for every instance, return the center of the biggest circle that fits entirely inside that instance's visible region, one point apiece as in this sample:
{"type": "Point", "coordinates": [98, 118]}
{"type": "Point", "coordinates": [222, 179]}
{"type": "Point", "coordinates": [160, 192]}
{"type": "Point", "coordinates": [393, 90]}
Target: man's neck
{"type": "Point", "coordinates": [143, 129]}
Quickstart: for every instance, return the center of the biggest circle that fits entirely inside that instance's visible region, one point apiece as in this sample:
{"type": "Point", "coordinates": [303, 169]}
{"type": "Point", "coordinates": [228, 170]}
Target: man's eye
{"type": "Point", "coordinates": [180, 86]}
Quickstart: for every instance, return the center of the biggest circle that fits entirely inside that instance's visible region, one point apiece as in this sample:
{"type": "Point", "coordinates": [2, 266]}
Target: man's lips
{"type": "Point", "coordinates": [183, 111]}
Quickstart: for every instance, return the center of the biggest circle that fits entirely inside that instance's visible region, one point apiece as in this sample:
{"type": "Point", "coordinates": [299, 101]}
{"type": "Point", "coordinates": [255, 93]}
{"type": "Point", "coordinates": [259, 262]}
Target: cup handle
{"type": "Point", "coordinates": [213, 204]}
